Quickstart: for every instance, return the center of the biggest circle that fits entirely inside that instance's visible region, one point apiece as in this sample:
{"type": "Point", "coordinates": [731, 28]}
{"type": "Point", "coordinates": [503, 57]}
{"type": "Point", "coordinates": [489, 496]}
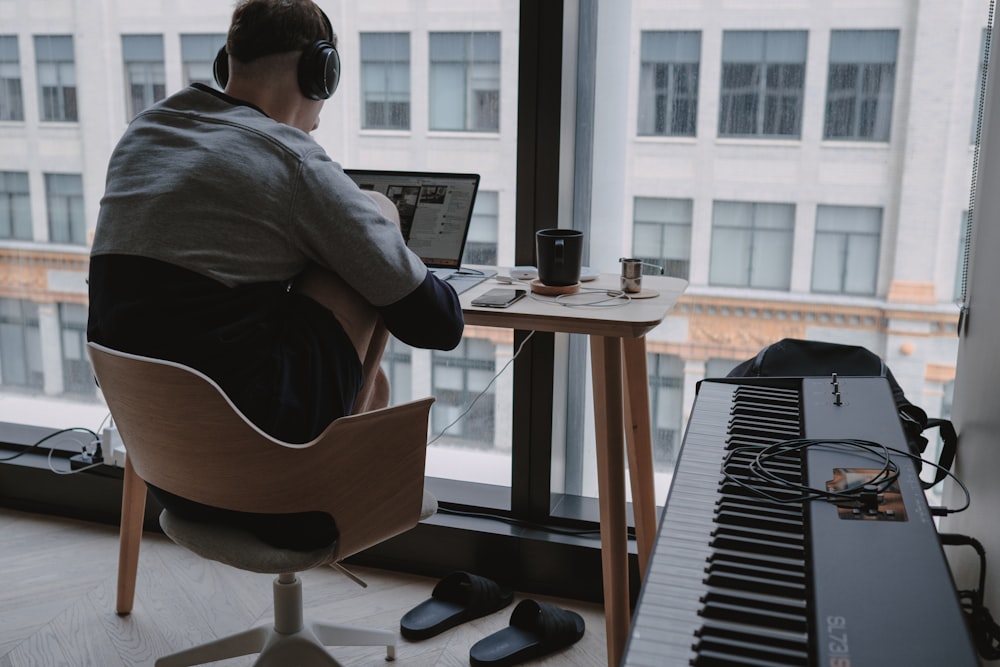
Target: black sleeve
{"type": "Point", "coordinates": [429, 317]}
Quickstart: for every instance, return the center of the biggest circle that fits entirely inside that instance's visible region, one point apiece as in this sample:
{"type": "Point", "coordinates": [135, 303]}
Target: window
{"type": "Point", "coordinates": [397, 364]}
{"type": "Point", "coordinates": [763, 81]}
{"type": "Point", "coordinates": [860, 84]}
{"type": "Point", "coordinates": [465, 81]}
{"type": "Point", "coordinates": [666, 403]}
{"type": "Point", "coordinates": [15, 206]}
{"type": "Point", "coordinates": [668, 83]}
{"type": "Point", "coordinates": [481, 246]}
{"type": "Point", "coordinates": [752, 245]}
{"type": "Point", "coordinates": [64, 197]}
{"type": "Point", "coordinates": [716, 367]}
{"type": "Point", "coordinates": [385, 80]}
{"type": "Point", "coordinates": [198, 57]}
{"type": "Point", "coordinates": [56, 78]}
{"type": "Point", "coordinates": [20, 344]}
{"type": "Point", "coordinates": [845, 254]}
{"type": "Point", "coordinates": [458, 377]}
{"type": "Point", "coordinates": [661, 234]}
{"type": "Point", "coordinates": [145, 79]}
{"type": "Point", "coordinates": [11, 97]}
{"type": "Point", "coordinates": [77, 376]}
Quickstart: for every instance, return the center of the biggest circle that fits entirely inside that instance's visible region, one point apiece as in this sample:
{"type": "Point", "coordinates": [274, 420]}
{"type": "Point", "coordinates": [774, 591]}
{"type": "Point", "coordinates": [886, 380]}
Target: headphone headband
{"type": "Point", "coordinates": [318, 71]}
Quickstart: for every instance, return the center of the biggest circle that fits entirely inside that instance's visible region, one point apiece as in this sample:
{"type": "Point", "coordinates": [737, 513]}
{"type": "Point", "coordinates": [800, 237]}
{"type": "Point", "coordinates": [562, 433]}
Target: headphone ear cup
{"type": "Point", "coordinates": [319, 70]}
{"type": "Point", "coordinates": [220, 68]}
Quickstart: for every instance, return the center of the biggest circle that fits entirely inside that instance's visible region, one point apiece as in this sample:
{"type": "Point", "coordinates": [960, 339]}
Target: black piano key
{"type": "Point", "coordinates": [754, 583]}
{"type": "Point", "coordinates": [713, 658]}
{"type": "Point", "coordinates": [757, 546]}
{"type": "Point", "coordinates": [756, 609]}
{"type": "Point", "coordinates": [752, 645]}
{"type": "Point", "coordinates": [762, 520]}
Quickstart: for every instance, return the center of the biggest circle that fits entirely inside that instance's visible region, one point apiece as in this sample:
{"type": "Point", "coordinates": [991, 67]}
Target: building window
{"type": "Point", "coordinates": [763, 80]}
{"type": "Point", "coordinates": [397, 364]}
{"type": "Point", "coordinates": [465, 81]}
{"type": "Point", "coordinates": [668, 83]}
{"type": "Point", "coordinates": [860, 84]}
{"type": "Point", "coordinates": [64, 198]}
{"type": "Point", "coordinates": [20, 344]}
{"type": "Point", "coordinates": [458, 377]}
{"type": "Point", "coordinates": [11, 97]}
{"type": "Point", "coordinates": [56, 78]}
{"type": "Point", "coordinates": [752, 245]}
{"type": "Point", "coordinates": [845, 254]}
{"type": "Point", "coordinates": [198, 57]}
{"type": "Point", "coordinates": [77, 376]}
{"type": "Point", "coordinates": [717, 367]}
{"type": "Point", "coordinates": [481, 246]}
{"type": "Point", "coordinates": [145, 78]}
{"type": "Point", "coordinates": [385, 80]}
{"type": "Point", "coordinates": [15, 206]}
{"type": "Point", "coordinates": [661, 234]}
{"type": "Point", "coordinates": [666, 402]}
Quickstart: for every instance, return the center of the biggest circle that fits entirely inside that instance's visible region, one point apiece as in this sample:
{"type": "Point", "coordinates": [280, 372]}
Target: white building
{"type": "Point", "coordinates": [807, 167]}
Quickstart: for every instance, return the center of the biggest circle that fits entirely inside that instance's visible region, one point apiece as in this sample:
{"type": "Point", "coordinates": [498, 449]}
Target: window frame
{"type": "Point", "coordinates": [867, 107]}
{"type": "Point", "coordinates": [57, 102]}
{"type": "Point", "coordinates": [11, 85]}
{"type": "Point", "coordinates": [768, 86]}
{"type": "Point", "coordinates": [476, 99]}
{"type": "Point", "coordinates": [664, 99]}
{"type": "Point", "coordinates": [144, 71]}
{"type": "Point", "coordinates": [843, 241]}
{"type": "Point", "coordinates": [392, 68]}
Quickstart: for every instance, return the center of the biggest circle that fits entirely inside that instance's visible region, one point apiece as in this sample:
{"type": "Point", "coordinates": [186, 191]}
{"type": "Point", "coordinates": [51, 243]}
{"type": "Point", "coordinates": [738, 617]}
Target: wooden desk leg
{"type": "Point", "coordinates": [639, 445]}
{"type": "Point", "coordinates": [129, 537]}
{"type": "Point", "coordinates": [606, 362]}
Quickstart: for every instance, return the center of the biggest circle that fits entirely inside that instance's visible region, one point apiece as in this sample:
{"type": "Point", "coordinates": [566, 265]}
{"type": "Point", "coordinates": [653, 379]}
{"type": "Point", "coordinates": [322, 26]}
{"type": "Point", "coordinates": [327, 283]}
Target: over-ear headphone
{"type": "Point", "coordinates": [319, 67]}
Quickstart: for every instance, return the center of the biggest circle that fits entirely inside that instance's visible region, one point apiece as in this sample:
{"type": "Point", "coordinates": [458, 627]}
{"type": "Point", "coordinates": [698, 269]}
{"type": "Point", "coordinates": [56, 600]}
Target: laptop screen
{"type": "Point", "coordinates": [435, 210]}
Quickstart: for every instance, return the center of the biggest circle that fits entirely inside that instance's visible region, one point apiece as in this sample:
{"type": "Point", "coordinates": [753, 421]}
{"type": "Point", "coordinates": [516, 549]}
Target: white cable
{"type": "Point", "coordinates": [485, 389]}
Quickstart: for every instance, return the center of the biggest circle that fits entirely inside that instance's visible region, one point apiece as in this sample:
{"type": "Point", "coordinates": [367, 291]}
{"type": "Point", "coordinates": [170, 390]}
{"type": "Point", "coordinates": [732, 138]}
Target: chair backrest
{"type": "Point", "coordinates": [182, 434]}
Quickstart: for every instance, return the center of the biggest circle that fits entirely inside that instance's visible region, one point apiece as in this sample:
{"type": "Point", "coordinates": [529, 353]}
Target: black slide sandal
{"type": "Point", "coordinates": [457, 598]}
{"type": "Point", "coordinates": [536, 629]}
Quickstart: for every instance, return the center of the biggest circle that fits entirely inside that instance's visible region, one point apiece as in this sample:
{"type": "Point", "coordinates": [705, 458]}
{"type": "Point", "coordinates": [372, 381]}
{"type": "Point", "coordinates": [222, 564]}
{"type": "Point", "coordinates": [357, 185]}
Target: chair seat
{"type": "Point", "coordinates": [241, 549]}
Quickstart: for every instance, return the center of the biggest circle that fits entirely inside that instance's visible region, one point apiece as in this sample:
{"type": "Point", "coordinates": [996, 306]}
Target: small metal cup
{"type": "Point", "coordinates": [631, 275]}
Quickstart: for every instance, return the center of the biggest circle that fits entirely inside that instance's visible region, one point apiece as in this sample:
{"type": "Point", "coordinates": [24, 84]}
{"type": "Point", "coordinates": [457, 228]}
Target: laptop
{"type": "Point", "coordinates": [435, 212]}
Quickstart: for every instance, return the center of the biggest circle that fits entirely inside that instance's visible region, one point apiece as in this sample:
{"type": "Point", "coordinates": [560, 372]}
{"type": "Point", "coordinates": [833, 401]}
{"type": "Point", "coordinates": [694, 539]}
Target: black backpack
{"type": "Point", "coordinates": [791, 357]}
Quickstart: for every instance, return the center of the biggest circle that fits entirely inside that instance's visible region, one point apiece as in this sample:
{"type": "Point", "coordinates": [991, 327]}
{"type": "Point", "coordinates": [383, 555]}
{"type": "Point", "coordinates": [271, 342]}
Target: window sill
{"type": "Point", "coordinates": [563, 561]}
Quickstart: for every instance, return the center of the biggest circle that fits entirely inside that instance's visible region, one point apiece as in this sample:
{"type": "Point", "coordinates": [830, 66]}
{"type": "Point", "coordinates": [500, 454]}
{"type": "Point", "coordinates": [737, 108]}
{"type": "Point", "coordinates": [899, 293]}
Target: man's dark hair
{"type": "Point", "coordinates": [264, 27]}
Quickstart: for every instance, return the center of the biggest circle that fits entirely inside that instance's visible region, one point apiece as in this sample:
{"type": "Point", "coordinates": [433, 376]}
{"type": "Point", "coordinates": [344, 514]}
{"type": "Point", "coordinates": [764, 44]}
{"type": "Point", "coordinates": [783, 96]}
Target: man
{"type": "Point", "coordinates": [229, 241]}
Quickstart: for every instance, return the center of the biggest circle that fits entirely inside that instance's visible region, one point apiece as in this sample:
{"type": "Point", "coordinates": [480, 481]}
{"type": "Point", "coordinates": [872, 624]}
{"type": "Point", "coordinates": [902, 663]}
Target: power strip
{"type": "Point", "coordinates": [84, 460]}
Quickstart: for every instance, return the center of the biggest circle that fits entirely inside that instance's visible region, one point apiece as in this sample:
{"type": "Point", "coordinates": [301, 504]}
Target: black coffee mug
{"type": "Point", "coordinates": [560, 254]}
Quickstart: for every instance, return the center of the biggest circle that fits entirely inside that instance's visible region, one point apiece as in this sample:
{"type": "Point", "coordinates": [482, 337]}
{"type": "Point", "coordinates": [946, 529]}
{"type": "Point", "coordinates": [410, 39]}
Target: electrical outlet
{"type": "Point", "coordinates": [112, 447]}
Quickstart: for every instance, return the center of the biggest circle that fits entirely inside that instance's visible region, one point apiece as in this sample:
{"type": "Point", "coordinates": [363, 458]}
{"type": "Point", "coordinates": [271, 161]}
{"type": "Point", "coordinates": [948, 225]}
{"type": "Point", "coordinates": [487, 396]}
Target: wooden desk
{"type": "Point", "coordinates": [621, 392]}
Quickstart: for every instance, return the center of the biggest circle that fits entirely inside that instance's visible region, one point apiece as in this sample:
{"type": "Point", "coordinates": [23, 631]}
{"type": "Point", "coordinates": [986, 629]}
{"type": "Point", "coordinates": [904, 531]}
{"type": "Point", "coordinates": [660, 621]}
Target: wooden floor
{"type": "Point", "coordinates": [57, 604]}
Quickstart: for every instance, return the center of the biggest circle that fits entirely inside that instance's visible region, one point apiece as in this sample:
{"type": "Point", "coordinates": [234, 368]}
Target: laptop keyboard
{"type": "Point", "coordinates": [462, 281]}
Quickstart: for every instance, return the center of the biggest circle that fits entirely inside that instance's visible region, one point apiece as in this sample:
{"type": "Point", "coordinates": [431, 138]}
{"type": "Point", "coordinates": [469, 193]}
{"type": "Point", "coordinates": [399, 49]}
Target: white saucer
{"type": "Point", "coordinates": [587, 274]}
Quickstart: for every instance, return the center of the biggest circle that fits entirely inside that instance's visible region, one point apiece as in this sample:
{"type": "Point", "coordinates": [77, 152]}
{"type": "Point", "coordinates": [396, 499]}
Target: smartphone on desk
{"type": "Point", "coordinates": [499, 297]}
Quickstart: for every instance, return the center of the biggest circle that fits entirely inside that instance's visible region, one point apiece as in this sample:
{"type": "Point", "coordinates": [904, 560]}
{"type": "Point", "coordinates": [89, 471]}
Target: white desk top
{"type": "Point", "coordinates": [630, 319]}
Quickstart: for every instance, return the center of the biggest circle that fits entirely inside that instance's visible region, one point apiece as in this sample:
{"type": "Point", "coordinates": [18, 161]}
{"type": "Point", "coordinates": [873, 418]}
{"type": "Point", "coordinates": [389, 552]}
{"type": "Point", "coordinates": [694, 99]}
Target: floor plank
{"type": "Point", "coordinates": [58, 588]}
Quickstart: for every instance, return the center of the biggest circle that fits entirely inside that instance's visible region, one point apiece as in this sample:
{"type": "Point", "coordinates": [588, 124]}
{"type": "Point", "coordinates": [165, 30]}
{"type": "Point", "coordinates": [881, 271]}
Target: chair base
{"type": "Point", "coordinates": [290, 641]}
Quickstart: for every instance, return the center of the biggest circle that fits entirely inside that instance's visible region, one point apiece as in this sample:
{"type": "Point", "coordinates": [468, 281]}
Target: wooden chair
{"type": "Point", "coordinates": [183, 435]}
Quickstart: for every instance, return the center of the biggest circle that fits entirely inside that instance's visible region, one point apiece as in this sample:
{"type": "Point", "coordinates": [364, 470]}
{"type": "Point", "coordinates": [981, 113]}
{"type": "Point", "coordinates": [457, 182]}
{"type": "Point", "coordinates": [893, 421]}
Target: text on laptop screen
{"type": "Point", "coordinates": [435, 210]}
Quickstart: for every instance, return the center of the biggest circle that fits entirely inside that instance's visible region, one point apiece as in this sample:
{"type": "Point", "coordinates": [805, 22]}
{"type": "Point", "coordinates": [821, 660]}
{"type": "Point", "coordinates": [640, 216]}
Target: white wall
{"type": "Point", "coordinates": [977, 383]}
